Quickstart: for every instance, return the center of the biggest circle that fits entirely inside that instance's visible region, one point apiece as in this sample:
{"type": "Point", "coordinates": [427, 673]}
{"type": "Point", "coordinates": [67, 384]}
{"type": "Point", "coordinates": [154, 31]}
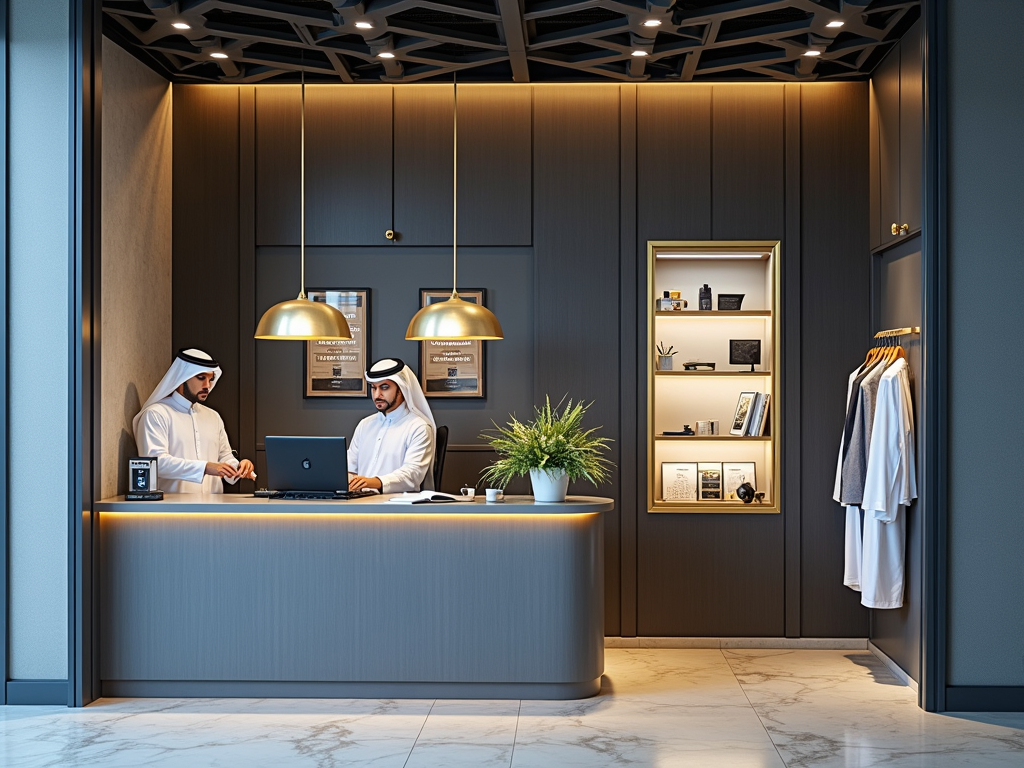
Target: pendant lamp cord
{"type": "Point", "coordinates": [455, 183]}
{"type": "Point", "coordinates": [302, 184]}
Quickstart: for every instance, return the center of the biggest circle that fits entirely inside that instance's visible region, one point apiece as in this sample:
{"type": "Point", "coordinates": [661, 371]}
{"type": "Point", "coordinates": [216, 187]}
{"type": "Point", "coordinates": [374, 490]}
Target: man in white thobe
{"type": "Point", "coordinates": [186, 437]}
{"type": "Point", "coordinates": [393, 450]}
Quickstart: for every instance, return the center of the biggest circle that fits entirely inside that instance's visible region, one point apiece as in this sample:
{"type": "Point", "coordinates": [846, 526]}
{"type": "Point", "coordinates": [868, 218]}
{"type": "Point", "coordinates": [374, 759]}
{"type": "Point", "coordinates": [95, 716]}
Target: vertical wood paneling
{"type": "Point", "coordinates": [247, 272]}
{"type": "Point", "coordinates": [423, 164]}
{"type": "Point", "coordinates": [495, 169]}
{"type": "Point", "coordinates": [576, 247]}
{"type": "Point", "coordinates": [673, 162]}
{"type": "Point", "coordinates": [747, 162]}
{"type": "Point", "coordinates": [205, 232]}
{"type": "Point", "coordinates": [277, 165]}
{"type": "Point", "coordinates": [348, 164]}
{"type": "Point", "coordinates": [835, 275]}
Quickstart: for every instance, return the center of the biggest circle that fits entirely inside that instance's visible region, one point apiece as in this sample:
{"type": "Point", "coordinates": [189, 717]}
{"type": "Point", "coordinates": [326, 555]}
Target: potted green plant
{"type": "Point", "coordinates": [553, 448]}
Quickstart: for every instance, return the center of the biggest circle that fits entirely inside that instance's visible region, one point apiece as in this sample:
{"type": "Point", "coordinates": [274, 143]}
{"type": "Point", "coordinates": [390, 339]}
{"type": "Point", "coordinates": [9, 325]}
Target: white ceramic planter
{"type": "Point", "coordinates": [549, 485]}
{"type": "Point", "coordinates": [664, 362]}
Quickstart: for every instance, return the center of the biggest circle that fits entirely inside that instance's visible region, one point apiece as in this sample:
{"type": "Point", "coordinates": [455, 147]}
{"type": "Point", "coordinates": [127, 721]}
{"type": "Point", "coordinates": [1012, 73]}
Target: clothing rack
{"type": "Point", "coordinates": [898, 332]}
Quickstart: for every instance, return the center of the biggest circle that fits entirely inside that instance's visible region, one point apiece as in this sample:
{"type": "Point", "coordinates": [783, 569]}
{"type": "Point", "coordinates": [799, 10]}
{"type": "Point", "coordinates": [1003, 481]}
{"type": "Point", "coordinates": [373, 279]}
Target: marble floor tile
{"type": "Point", "coordinates": [474, 734]}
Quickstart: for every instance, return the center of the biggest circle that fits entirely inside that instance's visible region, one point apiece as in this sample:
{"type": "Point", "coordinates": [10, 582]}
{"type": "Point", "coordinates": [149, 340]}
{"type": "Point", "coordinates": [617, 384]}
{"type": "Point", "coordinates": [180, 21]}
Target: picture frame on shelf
{"type": "Point", "coordinates": [452, 367]}
{"type": "Point", "coordinates": [735, 473]}
{"type": "Point", "coordinates": [679, 481]}
{"type": "Point", "coordinates": [709, 475]}
{"type": "Point", "coordinates": [745, 352]}
{"type": "Point", "coordinates": [336, 368]}
{"type": "Point", "coordinates": [741, 417]}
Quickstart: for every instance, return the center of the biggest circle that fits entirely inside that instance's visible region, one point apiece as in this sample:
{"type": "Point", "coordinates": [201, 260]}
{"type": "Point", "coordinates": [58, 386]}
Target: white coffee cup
{"type": "Point", "coordinates": [494, 495]}
{"type": "Point", "coordinates": [468, 492]}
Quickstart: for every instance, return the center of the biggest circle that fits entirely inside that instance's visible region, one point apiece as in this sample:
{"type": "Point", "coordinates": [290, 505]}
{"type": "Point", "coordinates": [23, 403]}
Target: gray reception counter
{"type": "Point", "coordinates": [228, 595]}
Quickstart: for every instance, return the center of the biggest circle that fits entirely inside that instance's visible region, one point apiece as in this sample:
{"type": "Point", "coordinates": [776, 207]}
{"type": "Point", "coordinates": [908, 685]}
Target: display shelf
{"type": "Point", "coordinates": [679, 397]}
{"type": "Point", "coordinates": [684, 374]}
{"type": "Point", "coordinates": [709, 313]}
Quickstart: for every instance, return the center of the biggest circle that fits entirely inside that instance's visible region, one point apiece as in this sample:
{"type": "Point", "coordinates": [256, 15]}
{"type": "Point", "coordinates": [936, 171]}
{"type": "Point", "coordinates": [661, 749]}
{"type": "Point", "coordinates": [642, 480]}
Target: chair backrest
{"type": "Point", "coordinates": [440, 448]}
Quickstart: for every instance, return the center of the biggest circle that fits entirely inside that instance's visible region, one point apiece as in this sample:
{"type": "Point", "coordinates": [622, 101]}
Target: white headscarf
{"type": "Point", "coordinates": [187, 363]}
{"type": "Point", "coordinates": [400, 373]}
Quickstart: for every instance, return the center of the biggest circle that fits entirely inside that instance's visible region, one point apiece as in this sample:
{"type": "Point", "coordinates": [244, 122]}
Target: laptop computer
{"type": "Point", "coordinates": [307, 468]}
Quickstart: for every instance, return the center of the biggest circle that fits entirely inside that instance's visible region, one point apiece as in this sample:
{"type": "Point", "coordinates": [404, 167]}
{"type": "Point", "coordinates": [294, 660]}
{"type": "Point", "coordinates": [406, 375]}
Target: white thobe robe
{"type": "Point", "coordinates": [184, 436]}
{"type": "Point", "coordinates": [397, 447]}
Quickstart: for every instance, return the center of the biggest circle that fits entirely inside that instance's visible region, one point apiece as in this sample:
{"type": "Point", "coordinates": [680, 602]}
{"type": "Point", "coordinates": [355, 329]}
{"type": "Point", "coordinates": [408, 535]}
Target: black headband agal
{"type": "Point", "coordinates": [206, 363]}
{"type": "Point", "coordinates": [383, 373]}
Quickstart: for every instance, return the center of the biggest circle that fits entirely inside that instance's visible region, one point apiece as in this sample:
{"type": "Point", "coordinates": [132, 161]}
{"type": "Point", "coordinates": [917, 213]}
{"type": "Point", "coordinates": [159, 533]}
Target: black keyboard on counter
{"type": "Point", "coordinates": [263, 493]}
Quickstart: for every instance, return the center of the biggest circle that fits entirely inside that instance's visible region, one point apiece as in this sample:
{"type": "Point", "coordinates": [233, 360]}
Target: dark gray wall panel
{"type": "Point", "coordinates": [886, 81]}
{"type": "Point", "coordinates": [204, 308]}
{"type": "Point", "coordinates": [576, 246]}
{"type": "Point", "coordinates": [395, 276]}
{"type": "Point", "coordinates": [423, 165]}
{"type": "Point", "coordinates": [911, 126]}
{"type": "Point", "coordinates": [835, 273]}
{"type": "Point", "coordinates": [277, 165]}
{"type": "Point", "coordinates": [897, 295]}
{"type": "Point", "coordinates": [495, 169]}
{"type": "Point", "coordinates": [747, 162]}
{"type": "Point", "coordinates": [673, 163]}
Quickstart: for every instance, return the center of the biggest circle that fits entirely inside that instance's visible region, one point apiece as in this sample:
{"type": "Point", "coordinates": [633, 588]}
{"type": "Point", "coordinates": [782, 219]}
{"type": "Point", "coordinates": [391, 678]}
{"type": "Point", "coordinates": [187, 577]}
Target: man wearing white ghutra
{"type": "Point", "coordinates": [392, 451]}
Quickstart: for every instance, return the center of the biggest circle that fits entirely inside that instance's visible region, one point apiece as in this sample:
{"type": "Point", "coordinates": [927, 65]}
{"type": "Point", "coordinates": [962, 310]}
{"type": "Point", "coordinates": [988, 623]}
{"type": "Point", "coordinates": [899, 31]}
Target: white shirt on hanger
{"type": "Point", "coordinates": [184, 436]}
{"type": "Point", "coordinates": [396, 447]}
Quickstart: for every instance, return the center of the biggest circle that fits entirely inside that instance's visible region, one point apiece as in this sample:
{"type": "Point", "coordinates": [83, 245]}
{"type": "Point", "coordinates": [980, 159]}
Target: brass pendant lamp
{"type": "Point", "coordinates": [301, 318]}
{"type": "Point", "coordinates": [454, 318]}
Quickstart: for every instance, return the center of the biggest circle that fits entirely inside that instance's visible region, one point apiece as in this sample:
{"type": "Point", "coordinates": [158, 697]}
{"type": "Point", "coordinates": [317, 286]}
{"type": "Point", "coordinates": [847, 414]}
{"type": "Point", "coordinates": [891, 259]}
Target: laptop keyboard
{"type": "Point", "coordinates": [313, 495]}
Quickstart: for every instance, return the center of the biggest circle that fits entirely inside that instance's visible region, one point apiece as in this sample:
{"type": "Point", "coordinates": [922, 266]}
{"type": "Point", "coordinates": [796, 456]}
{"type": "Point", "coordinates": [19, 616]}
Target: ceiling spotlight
{"type": "Point", "coordinates": [812, 53]}
{"type": "Point", "coordinates": [652, 23]}
{"type": "Point", "coordinates": [835, 24]}
{"type": "Point", "coordinates": [219, 55]}
{"type": "Point", "coordinates": [386, 55]}
{"type": "Point", "coordinates": [364, 25]}
{"type": "Point", "coordinates": [639, 53]}
{"type": "Point", "coordinates": [180, 25]}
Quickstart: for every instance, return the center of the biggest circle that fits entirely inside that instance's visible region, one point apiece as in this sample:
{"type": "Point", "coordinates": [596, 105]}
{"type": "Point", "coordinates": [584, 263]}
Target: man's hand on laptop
{"type": "Point", "coordinates": [358, 483]}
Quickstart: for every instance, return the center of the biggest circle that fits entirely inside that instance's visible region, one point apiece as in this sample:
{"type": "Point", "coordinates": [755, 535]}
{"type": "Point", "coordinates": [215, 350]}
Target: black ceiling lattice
{"type": "Point", "coordinates": [509, 40]}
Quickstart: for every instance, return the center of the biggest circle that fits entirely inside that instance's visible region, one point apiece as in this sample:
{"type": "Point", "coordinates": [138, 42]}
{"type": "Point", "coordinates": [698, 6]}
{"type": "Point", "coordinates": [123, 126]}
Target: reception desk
{"type": "Point", "coordinates": [228, 595]}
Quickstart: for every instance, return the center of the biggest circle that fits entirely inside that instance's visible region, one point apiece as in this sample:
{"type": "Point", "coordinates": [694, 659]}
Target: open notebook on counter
{"type": "Point", "coordinates": [427, 497]}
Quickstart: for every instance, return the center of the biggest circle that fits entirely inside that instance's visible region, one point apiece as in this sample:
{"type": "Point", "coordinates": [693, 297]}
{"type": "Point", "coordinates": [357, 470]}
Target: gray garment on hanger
{"type": "Point", "coordinates": [855, 463]}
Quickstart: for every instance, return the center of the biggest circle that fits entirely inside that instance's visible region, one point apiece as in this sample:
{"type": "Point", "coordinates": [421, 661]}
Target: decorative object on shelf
{"type": "Point", "coordinates": [452, 367]}
{"type": "Point", "coordinates": [664, 304]}
{"type": "Point", "coordinates": [454, 318]}
{"type": "Point", "coordinates": [730, 302]}
{"type": "Point", "coordinates": [736, 474]}
{"type": "Point", "coordinates": [665, 355]}
{"type": "Point", "coordinates": [675, 294]}
{"type": "Point", "coordinates": [745, 492]}
{"type": "Point", "coordinates": [742, 415]}
{"type": "Point", "coordinates": [301, 318]}
{"type": "Point", "coordinates": [710, 477]}
{"type": "Point", "coordinates": [687, 431]}
{"type": "Point", "coordinates": [744, 352]}
{"type": "Point", "coordinates": [334, 367]}
{"type": "Point", "coordinates": [693, 365]}
{"type": "Point", "coordinates": [678, 305]}
{"type": "Point", "coordinates": [704, 295]}
{"type": "Point", "coordinates": [678, 481]}
{"type": "Point", "coordinates": [707, 427]}
{"type": "Point", "coordinates": [758, 415]}
{"type": "Point", "coordinates": [554, 444]}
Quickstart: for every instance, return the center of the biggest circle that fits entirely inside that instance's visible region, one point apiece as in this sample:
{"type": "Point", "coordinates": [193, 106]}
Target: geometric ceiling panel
{"type": "Point", "coordinates": [404, 41]}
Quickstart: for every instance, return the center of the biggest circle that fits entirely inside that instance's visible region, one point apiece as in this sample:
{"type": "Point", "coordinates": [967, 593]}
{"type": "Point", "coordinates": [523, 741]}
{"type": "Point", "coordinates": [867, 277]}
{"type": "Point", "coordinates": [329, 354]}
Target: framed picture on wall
{"type": "Point", "coordinates": [335, 368]}
{"type": "Point", "coordinates": [452, 367]}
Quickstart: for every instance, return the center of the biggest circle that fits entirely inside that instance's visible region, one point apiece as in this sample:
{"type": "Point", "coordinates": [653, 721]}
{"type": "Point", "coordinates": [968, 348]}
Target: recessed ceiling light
{"type": "Point", "coordinates": [712, 255]}
{"type": "Point", "coordinates": [835, 24]}
{"type": "Point", "coordinates": [812, 53]}
{"type": "Point", "coordinates": [386, 55]}
{"type": "Point", "coordinates": [652, 23]}
{"type": "Point", "coordinates": [364, 25]}
{"type": "Point", "coordinates": [219, 55]}
{"type": "Point", "coordinates": [639, 53]}
{"type": "Point", "coordinates": [180, 25]}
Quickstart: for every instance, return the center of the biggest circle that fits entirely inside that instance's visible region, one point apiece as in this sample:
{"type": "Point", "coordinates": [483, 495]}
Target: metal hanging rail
{"type": "Point", "coordinates": [898, 332]}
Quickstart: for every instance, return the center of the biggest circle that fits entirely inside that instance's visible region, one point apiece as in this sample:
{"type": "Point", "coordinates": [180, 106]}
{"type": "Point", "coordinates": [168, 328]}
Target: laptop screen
{"type": "Point", "coordinates": [307, 463]}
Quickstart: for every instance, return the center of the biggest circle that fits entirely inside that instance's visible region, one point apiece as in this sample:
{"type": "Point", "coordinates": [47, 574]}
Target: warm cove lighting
{"type": "Point", "coordinates": [219, 55]}
{"type": "Point", "coordinates": [639, 53]}
{"type": "Point", "coordinates": [180, 25]}
{"type": "Point", "coordinates": [835, 24]}
{"type": "Point", "coordinates": [812, 53]}
{"type": "Point", "coordinates": [386, 55]}
{"type": "Point", "coordinates": [364, 25]}
{"type": "Point", "coordinates": [652, 23]}
{"type": "Point", "coordinates": [712, 255]}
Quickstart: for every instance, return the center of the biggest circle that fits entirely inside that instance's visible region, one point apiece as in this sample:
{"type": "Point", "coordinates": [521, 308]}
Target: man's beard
{"type": "Point", "coordinates": [191, 396]}
{"type": "Point", "coordinates": [388, 404]}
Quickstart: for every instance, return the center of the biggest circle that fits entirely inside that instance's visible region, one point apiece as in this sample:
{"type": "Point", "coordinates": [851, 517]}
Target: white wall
{"type": "Point", "coordinates": [986, 274]}
{"type": "Point", "coordinates": [135, 340]}
{"type": "Point", "coordinates": [38, 115]}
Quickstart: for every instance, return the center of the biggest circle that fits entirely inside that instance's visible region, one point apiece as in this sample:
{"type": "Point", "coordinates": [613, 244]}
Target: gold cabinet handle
{"type": "Point", "coordinates": [904, 228]}
{"type": "Point", "coordinates": [390, 234]}
{"type": "Point", "coordinates": [895, 228]}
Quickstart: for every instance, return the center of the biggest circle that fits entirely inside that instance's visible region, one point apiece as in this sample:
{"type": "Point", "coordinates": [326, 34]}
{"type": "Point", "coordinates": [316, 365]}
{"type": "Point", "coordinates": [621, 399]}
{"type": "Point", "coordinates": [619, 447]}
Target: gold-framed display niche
{"type": "Point", "coordinates": [686, 395]}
